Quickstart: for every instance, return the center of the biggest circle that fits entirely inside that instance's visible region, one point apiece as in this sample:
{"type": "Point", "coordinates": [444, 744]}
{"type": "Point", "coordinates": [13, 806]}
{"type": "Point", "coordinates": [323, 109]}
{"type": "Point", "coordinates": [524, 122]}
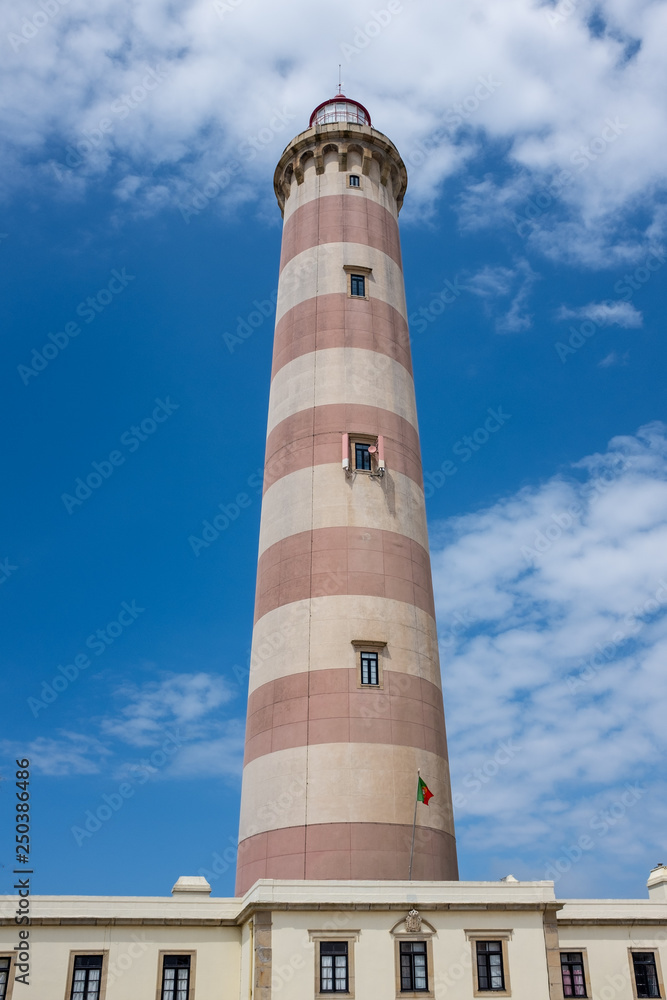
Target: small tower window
{"type": "Point", "coordinates": [362, 457]}
{"type": "Point", "coordinates": [354, 180]}
{"type": "Point", "coordinates": [358, 285]}
{"type": "Point", "coordinates": [369, 669]}
{"type": "Point", "coordinates": [368, 656]}
{"type": "Point", "coordinates": [357, 279]}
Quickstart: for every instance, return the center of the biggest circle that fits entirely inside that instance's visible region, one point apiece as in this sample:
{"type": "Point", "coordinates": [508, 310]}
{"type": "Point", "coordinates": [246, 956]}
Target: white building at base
{"type": "Point", "coordinates": [366, 940]}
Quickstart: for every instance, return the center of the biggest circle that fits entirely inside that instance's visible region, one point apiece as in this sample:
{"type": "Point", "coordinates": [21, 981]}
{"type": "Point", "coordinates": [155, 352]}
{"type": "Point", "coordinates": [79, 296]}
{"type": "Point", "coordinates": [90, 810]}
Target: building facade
{"type": "Point", "coordinates": [306, 940]}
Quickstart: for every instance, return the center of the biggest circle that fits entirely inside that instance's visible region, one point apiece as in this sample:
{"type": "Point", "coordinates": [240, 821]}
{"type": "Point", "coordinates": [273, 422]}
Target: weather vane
{"type": "Point", "coordinates": [340, 85]}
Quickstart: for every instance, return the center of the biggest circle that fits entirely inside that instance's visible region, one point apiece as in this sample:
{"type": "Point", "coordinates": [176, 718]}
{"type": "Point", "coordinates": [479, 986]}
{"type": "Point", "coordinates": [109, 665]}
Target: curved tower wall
{"type": "Point", "coordinates": [330, 767]}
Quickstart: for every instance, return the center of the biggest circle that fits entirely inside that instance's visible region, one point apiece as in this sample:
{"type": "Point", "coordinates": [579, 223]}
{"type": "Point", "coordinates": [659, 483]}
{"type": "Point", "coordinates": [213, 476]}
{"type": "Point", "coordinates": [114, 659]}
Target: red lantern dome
{"type": "Point", "coordinates": [340, 109]}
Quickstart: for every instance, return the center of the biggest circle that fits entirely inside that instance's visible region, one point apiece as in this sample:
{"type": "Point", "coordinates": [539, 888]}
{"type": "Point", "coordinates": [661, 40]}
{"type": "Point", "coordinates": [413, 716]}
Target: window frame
{"type": "Point", "coordinates": [349, 937]}
{"type": "Point", "coordinates": [11, 972]}
{"type": "Point", "coordinates": [366, 440]}
{"type": "Point", "coordinates": [372, 667]}
{"type": "Point", "coordinates": [504, 936]}
{"type": "Point", "coordinates": [358, 271]}
{"type": "Point", "coordinates": [363, 446]}
{"type": "Point", "coordinates": [425, 936]}
{"type": "Point", "coordinates": [357, 178]}
{"type": "Point", "coordinates": [584, 965]}
{"type": "Point", "coordinates": [482, 951]}
{"type": "Point", "coordinates": [80, 953]}
{"type": "Point", "coordinates": [408, 949]}
{"type": "Point", "coordinates": [176, 953]}
{"type": "Point", "coordinates": [649, 949]}
{"type": "Point", "coordinates": [358, 286]}
{"type": "Point", "coordinates": [362, 646]}
{"type": "Point", "coordinates": [333, 954]}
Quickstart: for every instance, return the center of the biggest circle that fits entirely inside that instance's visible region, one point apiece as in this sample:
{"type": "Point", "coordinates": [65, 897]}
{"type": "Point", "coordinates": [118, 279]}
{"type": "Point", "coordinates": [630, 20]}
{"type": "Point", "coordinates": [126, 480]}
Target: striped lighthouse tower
{"type": "Point", "coordinates": [345, 700]}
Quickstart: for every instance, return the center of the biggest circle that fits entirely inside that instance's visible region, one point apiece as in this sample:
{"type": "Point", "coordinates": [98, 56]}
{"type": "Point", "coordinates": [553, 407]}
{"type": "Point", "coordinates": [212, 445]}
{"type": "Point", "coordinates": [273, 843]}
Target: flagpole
{"type": "Point", "coordinates": [414, 824]}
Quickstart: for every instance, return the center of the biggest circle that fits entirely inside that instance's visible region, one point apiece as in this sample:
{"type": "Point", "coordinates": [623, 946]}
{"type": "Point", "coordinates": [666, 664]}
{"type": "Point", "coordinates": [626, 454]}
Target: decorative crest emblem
{"type": "Point", "coordinates": [413, 922]}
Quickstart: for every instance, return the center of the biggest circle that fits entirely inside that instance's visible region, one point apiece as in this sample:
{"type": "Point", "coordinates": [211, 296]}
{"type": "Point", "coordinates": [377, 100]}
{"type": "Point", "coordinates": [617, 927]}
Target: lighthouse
{"type": "Point", "coordinates": [345, 705]}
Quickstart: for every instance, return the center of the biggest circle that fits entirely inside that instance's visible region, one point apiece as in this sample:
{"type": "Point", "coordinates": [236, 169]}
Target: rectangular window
{"type": "Point", "coordinates": [4, 976]}
{"type": "Point", "coordinates": [369, 668]}
{"type": "Point", "coordinates": [646, 974]}
{"type": "Point", "coordinates": [572, 969]}
{"type": "Point", "coordinates": [333, 967]}
{"type": "Point", "coordinates": [490, 973]}
{"type": "Point", "coordinates": [175, 977]}
{"type": "Point", "coordinates": [362, 457]}
{"type": "Point", "coordinates": [414, 971]}
{"type": "Point", "coordinates": [354, 180]}
{"type": "Point", "coordinates": [358, 285]}
{"type": "Point", "coordinates": [86, 978]}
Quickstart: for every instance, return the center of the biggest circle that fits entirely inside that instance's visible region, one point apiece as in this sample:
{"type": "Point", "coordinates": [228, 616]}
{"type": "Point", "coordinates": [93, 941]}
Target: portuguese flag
{"type": "Point", "coordinates": [423, 794]}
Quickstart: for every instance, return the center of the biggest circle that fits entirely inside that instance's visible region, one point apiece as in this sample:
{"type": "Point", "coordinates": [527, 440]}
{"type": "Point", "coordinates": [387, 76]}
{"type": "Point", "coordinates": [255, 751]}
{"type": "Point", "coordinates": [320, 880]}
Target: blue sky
{"type": "Point", "coordinates": [140, 244]}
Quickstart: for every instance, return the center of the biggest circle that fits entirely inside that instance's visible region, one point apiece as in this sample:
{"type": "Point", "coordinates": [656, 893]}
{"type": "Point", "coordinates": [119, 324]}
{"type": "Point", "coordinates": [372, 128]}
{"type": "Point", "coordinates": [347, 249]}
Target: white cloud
{"type": "Point", "coordinates": [181, 700]}
{"type": "Point", "coordinates": [219, 756]}
{"type": "Point", "coordinates": [605, 314]}
{"type": "Point", "coordinates": [233, 89]}
{"type": "Point", "coordinates": [494, 282]}
{"type": "Point", "coordinates": [613, 359]}
{"type": "Point", "coordinates": [64, 754]}
{"type": "Point", "coordinates": [172, 728]}
{"type": "Point", "coordinates": [491, 281]}
{"type": "Point", "coordinates": [564, 586]}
